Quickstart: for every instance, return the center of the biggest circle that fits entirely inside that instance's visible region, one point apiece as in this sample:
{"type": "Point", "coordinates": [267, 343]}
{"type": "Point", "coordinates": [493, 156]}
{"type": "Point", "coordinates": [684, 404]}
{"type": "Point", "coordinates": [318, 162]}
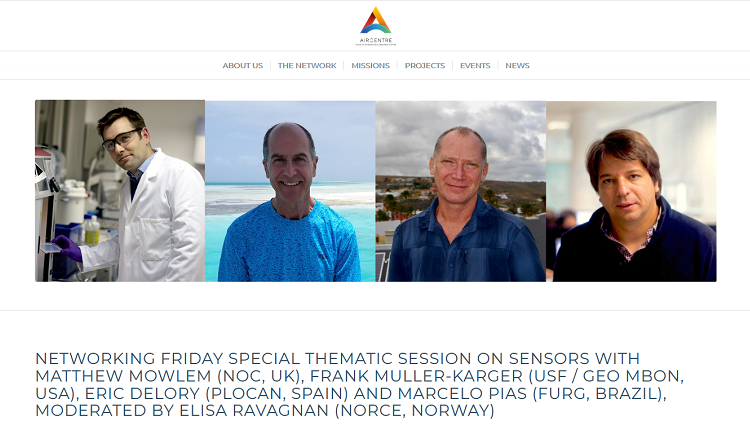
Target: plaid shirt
{"type": "Point", "coordinates": [606, 223]}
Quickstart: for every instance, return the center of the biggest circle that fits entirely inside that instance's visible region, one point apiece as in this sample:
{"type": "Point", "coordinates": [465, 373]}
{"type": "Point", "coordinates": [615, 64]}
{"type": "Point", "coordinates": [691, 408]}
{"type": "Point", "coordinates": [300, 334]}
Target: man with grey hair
{"type": "Point", "coordinates": [460, 237]}
{"type": "Point", "coordinates": [293, 237]}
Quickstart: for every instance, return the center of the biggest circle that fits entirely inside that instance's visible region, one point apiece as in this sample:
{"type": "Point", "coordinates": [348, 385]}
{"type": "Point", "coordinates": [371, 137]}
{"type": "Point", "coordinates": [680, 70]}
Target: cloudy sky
{"type": "Point", "coordinates": [344, 135]}
{"type": "Point", "coordinates": [514, 131]}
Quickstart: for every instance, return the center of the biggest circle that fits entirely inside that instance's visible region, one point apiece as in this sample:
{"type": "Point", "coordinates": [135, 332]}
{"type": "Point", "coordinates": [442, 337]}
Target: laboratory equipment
{"type": "Point", "coordinates": [71, 204]}
{"type": "Point", "coordinates": [48, 247]}
{"type": "Point", "coordinates": [105, 185]}
{"type": "Point", "coordinates": [63, 266]}
{"type": "Point", "coordinates": [45, 202]}
{"type": "Point", "coordinates": [90, 230]}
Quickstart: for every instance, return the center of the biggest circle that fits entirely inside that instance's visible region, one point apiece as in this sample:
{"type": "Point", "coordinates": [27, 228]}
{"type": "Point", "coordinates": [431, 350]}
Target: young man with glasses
{"type": "Point", "coordinates": [162, 210]}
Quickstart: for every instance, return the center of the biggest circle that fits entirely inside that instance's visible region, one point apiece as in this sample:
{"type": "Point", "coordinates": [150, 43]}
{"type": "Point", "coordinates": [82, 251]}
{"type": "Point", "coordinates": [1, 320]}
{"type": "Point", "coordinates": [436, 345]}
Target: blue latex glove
{"type": "Point", "coordinates": [69, 248]}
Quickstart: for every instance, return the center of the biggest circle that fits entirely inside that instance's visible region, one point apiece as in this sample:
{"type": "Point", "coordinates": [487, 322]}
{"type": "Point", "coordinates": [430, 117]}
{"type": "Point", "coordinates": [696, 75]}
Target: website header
{"type": "Point", "coordinates": [354, 26]}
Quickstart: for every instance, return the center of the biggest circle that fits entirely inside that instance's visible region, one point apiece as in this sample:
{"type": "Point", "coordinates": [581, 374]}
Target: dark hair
{"type": "Point", "coordinates": [463, 131]}
{"type": "Point", "coordinates": [564, 214]}
{"type": "Point", "coordinates": [268, 134]}
{"type": "Point", "coordinates": [135, 119]}
{"type": "Point", "coordinates": [623, 145]}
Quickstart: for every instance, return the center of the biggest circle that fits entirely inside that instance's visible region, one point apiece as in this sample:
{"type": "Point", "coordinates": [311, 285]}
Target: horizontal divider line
{"type": "Point", "coordinates": [378, 79]}
{"type": "Point", "coordinates": [365, 52]}
{"type": "Point", "coordinates": [376, 310]}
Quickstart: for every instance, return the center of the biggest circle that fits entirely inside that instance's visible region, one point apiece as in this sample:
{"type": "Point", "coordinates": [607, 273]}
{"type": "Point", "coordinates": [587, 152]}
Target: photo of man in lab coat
{"type": "Point", "coordinates": [162, 216]}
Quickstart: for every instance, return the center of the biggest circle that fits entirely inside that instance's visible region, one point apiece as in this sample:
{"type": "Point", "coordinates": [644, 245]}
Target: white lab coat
{"type": "Point", "coordinates": [161, 231]}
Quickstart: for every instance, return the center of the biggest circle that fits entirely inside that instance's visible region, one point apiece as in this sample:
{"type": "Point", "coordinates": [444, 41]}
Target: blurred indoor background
{"type": "Point", "coordinates": [682, 133]}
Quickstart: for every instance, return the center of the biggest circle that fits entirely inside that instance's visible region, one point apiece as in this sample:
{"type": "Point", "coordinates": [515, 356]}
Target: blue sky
{"type": "Point", "coordinates": [344, 135]}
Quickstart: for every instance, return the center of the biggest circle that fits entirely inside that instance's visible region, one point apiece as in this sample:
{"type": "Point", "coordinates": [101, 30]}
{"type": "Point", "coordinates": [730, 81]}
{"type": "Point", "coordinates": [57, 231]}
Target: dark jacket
{"type": "Point", "coordinates": [681, 249]}
{"type": "Point", "coordinates": [493, 246]}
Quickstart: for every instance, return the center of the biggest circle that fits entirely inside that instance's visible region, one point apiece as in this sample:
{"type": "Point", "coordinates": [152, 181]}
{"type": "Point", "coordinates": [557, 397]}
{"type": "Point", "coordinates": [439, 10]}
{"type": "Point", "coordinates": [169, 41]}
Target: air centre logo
{"type": "Point", "coordinates": [381, 26]}
{"type": "Point", "coordinates": [370, 25]}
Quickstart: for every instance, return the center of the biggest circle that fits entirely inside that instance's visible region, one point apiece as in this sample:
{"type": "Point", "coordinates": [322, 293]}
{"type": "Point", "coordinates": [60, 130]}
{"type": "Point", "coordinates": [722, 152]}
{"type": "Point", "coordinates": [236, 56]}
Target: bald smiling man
{"type": "Point", "coordinates": [460, 237]}
{"type": "Point", "coordinates": [293, 237]}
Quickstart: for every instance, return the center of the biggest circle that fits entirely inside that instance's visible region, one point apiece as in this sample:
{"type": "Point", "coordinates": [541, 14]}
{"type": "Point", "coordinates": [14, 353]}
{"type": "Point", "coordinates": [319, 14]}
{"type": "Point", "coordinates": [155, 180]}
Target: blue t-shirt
{"type": "Point", "coordinates": [261, 245]}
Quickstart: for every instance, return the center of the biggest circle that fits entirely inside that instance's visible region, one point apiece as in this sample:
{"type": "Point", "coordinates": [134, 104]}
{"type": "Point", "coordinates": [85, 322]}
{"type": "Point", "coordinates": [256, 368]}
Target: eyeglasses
{"type": "Point", "coordinates": [120, 139]}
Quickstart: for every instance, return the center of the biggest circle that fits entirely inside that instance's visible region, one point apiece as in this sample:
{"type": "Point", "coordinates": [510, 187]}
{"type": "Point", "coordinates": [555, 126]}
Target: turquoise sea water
{"type": "Point", "coordinates": [353, 201]}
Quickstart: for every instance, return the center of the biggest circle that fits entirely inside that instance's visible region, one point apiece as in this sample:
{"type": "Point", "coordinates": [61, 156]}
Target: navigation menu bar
{"type": "Point", "coordinates": [354, 65]}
